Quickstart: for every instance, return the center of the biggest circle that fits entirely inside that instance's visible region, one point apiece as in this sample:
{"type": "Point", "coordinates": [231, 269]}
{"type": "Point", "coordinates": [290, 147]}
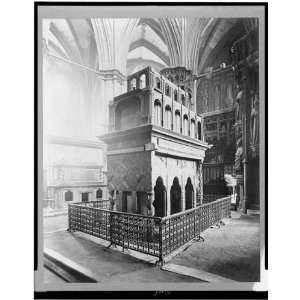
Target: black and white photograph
{"type": "Point", "coordinates": [151, 138]}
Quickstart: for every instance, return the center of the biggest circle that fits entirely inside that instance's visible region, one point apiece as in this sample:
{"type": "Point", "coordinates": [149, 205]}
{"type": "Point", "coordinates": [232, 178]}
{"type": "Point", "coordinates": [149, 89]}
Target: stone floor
{"type": "Point", "coordinates": [107, 264]}
{"type": "Point", "coordinates": [232, 251]}
{"type": "Point", "coordinates": [51, 278]}
{"type": "Point", "coordinates": [55, 223]}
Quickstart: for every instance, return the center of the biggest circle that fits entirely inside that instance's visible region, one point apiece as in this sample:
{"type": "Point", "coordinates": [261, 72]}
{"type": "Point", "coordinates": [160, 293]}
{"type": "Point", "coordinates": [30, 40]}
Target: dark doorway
{"type": "Point", "coordinates": [99, 194]}
{"type": "Point", "coordinates": [85, 197]}
{"type": "Point", "coordinates": [189, 194]}
{"type": "Point", "coordinates": [175, 196]}
{"type": "Point", "coordinates": [160, 198]}
{"type": "Point", "coordinates": [68, 196]}
{"type": "Point", "coordinates": [199, 131]}
{"type": "Point", "coordinates": [138, 202]}
{"type": "Point", "coordinates": [125, 196]}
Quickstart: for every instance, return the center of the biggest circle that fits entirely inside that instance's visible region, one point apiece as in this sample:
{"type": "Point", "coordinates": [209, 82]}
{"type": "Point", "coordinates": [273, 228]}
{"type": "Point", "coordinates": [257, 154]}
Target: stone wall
{"type": "Point", "coordinates": [129, 172]}
{"type": "Point", "coordinates": [56, 195]}
{"type": "Point", "coordinates": [168, 168]}
{"type": "Point", "coordinates": [216, 93]}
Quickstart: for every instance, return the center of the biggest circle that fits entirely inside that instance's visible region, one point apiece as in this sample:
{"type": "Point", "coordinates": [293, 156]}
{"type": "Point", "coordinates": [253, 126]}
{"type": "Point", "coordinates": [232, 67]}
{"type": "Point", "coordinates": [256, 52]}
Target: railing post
{"type": "Point", "coordinates": [69, 218]}
{"type": "Point", "coordinates": [111, 223]}
{"type": "Point", "coordinates": [160, 242]}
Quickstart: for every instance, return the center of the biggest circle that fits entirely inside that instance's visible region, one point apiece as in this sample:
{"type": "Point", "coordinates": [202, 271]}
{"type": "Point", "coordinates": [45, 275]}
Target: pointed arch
{"type": "Point", "coordinates": [160, 198]}
{"type": "Point", "coordinates": [175, 196]}
{"type": "Point", "coordinates": [189, 194]}
{"type": "Point", "coordinates": [68, 195]}
{"type": "Point", "coordinates": [150, 46]}
{"type": "Point", "coordinates": [99, 194]}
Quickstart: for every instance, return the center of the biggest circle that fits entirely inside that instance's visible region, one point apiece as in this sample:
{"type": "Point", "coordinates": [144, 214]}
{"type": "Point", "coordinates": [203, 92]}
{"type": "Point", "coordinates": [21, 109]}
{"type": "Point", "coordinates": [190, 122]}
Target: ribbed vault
{"type": "Point", "coordinates": [106, 44]}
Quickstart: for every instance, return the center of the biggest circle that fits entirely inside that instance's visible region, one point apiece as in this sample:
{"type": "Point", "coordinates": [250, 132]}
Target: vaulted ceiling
{"type": "Point", "coordinates": [131, 44]}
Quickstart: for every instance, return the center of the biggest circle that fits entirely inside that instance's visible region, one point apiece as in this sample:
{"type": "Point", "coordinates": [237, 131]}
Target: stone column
{"type": "Point", "coordinates": [113, 200]}
{"type": "Point", "coordinates": [119, 201]}
{"type": "Point", "coordinates": [245, 63]}
{"type": "Point", "coordinates": [168, 192]}
{"type": "Point", "coordinates": [134, 202]}
{"type": "Point", "coordinates": [195, 95]}
{"type": "Point", "coordinates": [183, 195]}
{"type": "Point", "coordinates": [202, 130]}
{"type": "Point", "coordinates": [240, 192]}
{"type": "Point", "coordinates": [195, 192]}
{"type": "Point", "coordinates": [201, 181]}
{"type": "Point", "coordinates": [246, 82]}
{"type": "Point", "coordinates": [151, 110]}
{"type": "Point", "coordinates": [150, 207]}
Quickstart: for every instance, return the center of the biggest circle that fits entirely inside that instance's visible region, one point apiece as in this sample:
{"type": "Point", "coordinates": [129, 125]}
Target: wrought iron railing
{"type": "Point", "coordinates": [180, 228]}
{"type": "Point", "coordinates": [104, 204]}
{"type": "Point", "coordinates": [151, 235]}
{"type": "Point", "coordinates": [132, 231]}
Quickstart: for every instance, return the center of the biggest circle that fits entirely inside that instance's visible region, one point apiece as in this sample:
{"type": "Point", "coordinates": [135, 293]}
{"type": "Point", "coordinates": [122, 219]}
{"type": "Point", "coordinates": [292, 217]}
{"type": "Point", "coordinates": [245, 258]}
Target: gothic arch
{"type": "Point", "coordinates": [127, 113]}
{"type": "Point", "coordinates": [160, 198]}
{"type": "Point", "coordinates": [157, 112]}
{"type": "Point", "coordinates": [177, 121]}
{"type": "Point", "coordinates": [68, 196]}
{"type": "Point", "coordinates": [99, 194]}
{"type": "Point", "coordinates": [185, 125]}
{"type": "Point", "coordinates": [175, 196]}
{"type": "Point", "coordinates": [168, 117]}
{"type": "Point", "coordinates": [193, 128]}
{"type": "Point", "coordinates": [142, 81]}
{"type": "Point", "coordinates": [153, 48]}
{"type": "Point", "coordinates": [199, 130]}
{"type": "Point", "coordinates": [189, 194]}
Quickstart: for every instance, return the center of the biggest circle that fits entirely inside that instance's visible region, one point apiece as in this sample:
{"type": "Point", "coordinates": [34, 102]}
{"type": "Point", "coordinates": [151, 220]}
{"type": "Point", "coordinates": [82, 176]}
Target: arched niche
{"type": "Point", "coordinates": [168, 117]}
{"type": "Point", "coordinates": [175, 95]}
{"type": "Point", "coordinates": [157, 112]}
{"type": "Point", "coordinates": [68, 196]}
{"type": "Point", "coordinates": [192, 129]}
{"type": "Point", "coordinates": [183, 100]}
{"type": "Point", "coordinates": [199, 130]}
{"type": "Point", "coordinates": [177, 121]}
{"type": "Point", "coordinates": [189, 194]}
{"type": "Point", "coordinates": [133, 84]}
{"type": "Point", "coordinates": [127, 113]}
{"type": "Point", "coordinates": [175, 197]}
{"type": "Point", "coordinates": [142, 81]}
{"type": "Point", "coordinates": [160, 198]}
{"type": "Point", "coordinates": [157, 83]}
{"type": "Point", "coordinates": [185, 125]}
{"type": "Point", "coordinates": [99, 194]}
{"type": "Point", "coordinates": [167, 90]}
{"type": "Point", "coordinates": [190, 102]}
